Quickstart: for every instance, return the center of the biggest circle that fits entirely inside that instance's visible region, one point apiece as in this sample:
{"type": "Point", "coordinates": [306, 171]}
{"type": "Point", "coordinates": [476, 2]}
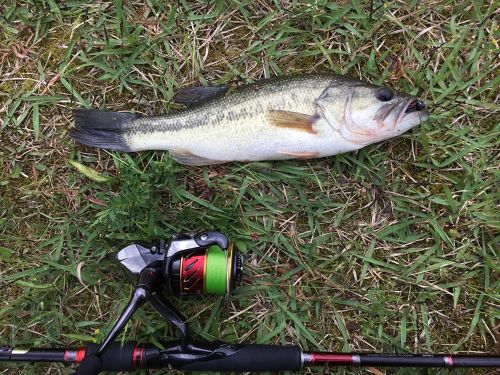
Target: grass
{"type": "Point", "coordinates": [393, 248]}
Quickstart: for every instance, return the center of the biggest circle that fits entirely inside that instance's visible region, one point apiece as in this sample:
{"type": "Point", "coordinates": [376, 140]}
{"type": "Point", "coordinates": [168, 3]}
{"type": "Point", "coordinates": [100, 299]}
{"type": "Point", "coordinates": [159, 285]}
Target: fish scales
{"type": "Point", "coordinates": [291, 117]}
{"type": "Point", "coordinates": [225, 126]}
{"type": "Point", "coordinates": [248, 102]}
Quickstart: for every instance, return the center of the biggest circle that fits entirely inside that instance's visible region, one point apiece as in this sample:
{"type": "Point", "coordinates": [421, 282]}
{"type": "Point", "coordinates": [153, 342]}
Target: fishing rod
{"type": "Point", "coordinates": [205, 263]}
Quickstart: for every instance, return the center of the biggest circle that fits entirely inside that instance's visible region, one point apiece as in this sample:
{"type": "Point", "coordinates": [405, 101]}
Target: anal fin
{"type": "Point", "coordinates": [292, 120]}
{"type": "Point", "coordinates": [300, 155]}
{"type": "Point", "coordinates": [186, 157]}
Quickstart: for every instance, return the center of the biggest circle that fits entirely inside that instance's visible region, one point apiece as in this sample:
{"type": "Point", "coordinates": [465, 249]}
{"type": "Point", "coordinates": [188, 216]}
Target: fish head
{"type": "Point", "coordinates": [365, 114]}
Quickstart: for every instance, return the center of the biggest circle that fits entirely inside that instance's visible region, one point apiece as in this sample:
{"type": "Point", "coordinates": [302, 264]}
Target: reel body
{"type": "Point", "coordinates": [204, 263]}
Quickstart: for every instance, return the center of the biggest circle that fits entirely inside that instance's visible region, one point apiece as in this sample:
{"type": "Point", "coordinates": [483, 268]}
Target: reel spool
{"type": "Point", "coordinates": [209, 271]}
{"type": "Point", "coordinates": [204, 263]}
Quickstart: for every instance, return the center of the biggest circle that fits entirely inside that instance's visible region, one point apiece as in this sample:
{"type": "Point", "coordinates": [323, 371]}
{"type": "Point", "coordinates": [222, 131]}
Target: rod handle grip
{"type": "Point", "coordinates": [244, 358]}
{"type": "Point", "coordinates": [115, 358]}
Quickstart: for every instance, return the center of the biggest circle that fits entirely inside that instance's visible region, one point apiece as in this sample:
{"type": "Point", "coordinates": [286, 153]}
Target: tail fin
{"type": "Point", "coordinates": [102, 129]}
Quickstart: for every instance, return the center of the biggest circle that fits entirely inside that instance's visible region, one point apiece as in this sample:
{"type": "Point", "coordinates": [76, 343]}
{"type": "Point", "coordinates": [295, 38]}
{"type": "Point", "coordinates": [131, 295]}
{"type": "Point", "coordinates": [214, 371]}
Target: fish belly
{"type": "Point", "coordinates": [247, 140]}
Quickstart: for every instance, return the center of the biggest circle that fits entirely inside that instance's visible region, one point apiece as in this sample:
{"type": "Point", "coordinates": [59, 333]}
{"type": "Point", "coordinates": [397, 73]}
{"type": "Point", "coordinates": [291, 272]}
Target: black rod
{"type": "Point", "coordinates": [399, 360]}
{"type": "Point", "coordinates": [39, 355]}
{"type": "Point", "coordinates": [130, 355]}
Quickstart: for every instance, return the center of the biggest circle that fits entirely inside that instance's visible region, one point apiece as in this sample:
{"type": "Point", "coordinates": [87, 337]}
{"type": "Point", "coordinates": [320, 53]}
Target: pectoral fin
{"type": "Point", "coordinates": [186, 157]}
{"type": "Point", "coordinates": [292, 120]}
{"type": "Point", "coordinates": [196, 95]}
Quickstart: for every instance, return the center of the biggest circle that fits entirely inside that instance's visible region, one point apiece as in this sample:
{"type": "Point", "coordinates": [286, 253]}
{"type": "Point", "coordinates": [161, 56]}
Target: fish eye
{"type": "Point", "coordinates": [384, 94]}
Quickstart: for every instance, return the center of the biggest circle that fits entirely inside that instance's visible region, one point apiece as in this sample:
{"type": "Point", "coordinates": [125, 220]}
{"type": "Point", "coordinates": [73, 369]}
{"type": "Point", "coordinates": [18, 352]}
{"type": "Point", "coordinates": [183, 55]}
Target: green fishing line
{"type": "Point", "coordinates": [216, 271]}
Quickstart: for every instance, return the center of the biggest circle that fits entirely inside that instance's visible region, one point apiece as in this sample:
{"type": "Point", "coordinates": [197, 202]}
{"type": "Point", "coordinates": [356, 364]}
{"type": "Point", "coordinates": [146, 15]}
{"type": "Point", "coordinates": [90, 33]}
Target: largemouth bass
{"type": "Point", "coordinates": [300, 117]}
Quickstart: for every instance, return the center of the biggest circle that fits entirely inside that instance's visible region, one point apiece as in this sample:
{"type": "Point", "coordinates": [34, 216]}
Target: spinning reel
{"type": "Point", "coordinates": [203, 263]}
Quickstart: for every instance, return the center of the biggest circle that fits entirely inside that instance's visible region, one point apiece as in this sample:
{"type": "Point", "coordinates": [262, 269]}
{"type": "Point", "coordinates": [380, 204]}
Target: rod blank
{"type": "Point", "coordinates": [399, 360]}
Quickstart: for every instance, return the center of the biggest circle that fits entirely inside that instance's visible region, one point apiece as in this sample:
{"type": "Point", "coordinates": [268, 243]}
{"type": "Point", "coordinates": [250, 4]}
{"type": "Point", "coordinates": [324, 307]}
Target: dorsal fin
{"type": "Point", "coordinates": [292, 120]}
{"type": "Point", "coordinates": [196, 95]}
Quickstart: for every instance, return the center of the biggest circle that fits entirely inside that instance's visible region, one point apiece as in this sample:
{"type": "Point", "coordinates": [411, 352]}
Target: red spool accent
{"type": "Point", "coordinates": [193, 273]}
{"type": "Point", "coordinates": [332, 358]}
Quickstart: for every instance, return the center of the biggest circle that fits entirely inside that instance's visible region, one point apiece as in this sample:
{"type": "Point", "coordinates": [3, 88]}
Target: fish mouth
{"type": "Point", "coordinates": [400, 110]}
{"type": "Point", "coordinates": [415, 106]}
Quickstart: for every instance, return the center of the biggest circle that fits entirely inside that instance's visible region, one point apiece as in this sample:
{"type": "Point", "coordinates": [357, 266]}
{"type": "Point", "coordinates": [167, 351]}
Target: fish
{"type": "Point", "coordinates": [290, 117]}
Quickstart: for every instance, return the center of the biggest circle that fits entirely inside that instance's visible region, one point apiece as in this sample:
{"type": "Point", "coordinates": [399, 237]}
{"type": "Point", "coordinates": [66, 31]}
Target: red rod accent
{"type": "Point", "coordinates": [80, 355]}
{"type": "Point", "coordinates": [66, 356]}
{"type": "Point", "coordinates": [134, 356]}
{"type": "Point", "coordinates": [141, 357]}
{"type": "Point", "coordinates": [332, 358]}
{"type": "Point", "coordinates": [137, 356]}
{"type": "Point", "coordinates": [450, 361]}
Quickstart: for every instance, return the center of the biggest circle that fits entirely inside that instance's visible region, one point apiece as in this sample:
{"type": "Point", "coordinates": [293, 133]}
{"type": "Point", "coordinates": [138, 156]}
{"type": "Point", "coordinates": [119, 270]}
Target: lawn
{"type": "Point", "coordinates": [392, 248]}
